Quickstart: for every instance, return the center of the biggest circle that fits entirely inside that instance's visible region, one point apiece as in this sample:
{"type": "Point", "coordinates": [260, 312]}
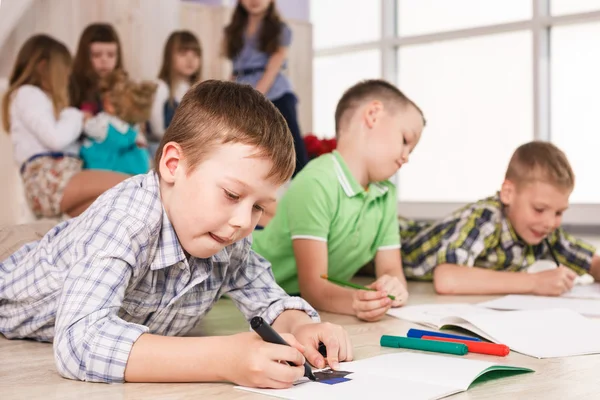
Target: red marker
{"type": "Point", "coordinates": [491, 349]}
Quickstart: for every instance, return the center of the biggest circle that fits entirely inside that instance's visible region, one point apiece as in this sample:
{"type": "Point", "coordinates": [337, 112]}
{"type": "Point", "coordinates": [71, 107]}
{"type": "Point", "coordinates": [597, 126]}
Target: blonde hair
{"type": "Point", "coordinates": [131, 100]}
{"type": "Point", "coordinates": [540, 161]}
{"type": "Point", "coordinates": [213, 113]}
{"type": "Point", "coordinates": [179, 41]}
{"type": "Point", "coordinates": [26, 71]}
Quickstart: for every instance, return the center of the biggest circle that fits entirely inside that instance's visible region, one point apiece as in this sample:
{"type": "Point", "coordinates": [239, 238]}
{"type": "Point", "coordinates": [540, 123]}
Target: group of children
{"type": "Point", "coordinates": [116, 287]}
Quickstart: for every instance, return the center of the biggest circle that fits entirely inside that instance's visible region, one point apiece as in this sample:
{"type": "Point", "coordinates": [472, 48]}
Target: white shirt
{"type": "Point", "coordinates": [157, 116]}
{"type": "Point", "coordinates": [34, 129]}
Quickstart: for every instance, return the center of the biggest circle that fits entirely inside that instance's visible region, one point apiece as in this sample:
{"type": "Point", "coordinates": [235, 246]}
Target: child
{"type": "Point", "coordinates": [151, 257]}
{"type": "Point", "coordinates": [256, 41]}
{"type": "Point", "coordinates": [114, 141]}
{"type": "Point", "coordinates": [181, 68]}
{"type": "Point", "coordinates": [45, 132]}
{"type": "Point", "coordinates": [340, 211]}
{"type": "Point", "coordinates": [98, 54]}
{"type": "Point", "coordinates": [504, 234]}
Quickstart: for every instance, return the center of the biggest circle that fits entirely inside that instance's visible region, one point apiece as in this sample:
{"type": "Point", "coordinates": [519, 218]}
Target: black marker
{"type": "Point", "coordinates": [268, 334]}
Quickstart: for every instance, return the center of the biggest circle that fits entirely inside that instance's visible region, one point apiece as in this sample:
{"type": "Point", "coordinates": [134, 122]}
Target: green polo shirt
{"type": "Point", "coordinates": [324, 202]}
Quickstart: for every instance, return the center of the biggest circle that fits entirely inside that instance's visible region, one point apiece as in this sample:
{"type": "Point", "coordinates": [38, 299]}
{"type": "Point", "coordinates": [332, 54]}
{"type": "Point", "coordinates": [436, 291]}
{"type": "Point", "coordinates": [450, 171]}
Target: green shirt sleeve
{"type": "Point", "coordinates": [572, 252]}
{"type": "Point", "coordinates": [310, 207]}
{"type": "Point", "coordinates": [388, 236]}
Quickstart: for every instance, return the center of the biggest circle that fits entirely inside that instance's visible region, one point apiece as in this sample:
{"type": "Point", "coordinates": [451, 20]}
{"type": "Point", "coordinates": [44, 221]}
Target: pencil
{"type": "Point", "coordinates": [351, 285]}
{"type": "Point", "coordinates": [552, 252]}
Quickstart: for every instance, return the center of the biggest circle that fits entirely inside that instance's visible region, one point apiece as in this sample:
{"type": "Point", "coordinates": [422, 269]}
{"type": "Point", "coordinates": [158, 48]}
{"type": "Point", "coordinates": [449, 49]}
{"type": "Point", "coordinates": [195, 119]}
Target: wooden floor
{"type": "Point", "coordinates": [27, 368]}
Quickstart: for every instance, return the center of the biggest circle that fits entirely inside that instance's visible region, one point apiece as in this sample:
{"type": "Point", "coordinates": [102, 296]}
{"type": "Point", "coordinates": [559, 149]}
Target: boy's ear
{"type": "Point", "coordinates": [171, 162]}
{"type": "Point", "coordinates": [373, 112]}
{"type": "Point", "coordinates": [507, 192]}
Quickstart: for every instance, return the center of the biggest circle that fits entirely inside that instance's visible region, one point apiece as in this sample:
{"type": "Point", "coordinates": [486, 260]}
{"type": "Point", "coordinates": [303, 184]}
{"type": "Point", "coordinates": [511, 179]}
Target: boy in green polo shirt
{"type": "Point", "coordinates": [339, 212]}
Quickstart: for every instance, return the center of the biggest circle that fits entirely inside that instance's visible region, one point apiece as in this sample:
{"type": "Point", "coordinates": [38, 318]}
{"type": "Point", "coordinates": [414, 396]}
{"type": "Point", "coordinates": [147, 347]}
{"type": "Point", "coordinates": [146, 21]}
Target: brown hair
{"type": "Point", "coordinates": [540, 161]}
{"type": "Point", "coordinates": [269, 36]}
{"type": "Point", "coordinates": [83, 85]}
{"type": "Point", "coordinates": [217, 112]}
{"type": "Point", "coordinates": [38, 49]}
{"type": "Point", "coordinates": [179, 41]}
{"type": "Point", "coordinates": [373, 89]}
{"type": "Point", "coordinates": [131, 100]}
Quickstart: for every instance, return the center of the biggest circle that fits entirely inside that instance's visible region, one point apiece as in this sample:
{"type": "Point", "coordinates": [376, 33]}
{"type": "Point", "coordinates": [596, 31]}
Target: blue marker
{"type": "Point", "coordinates": [418, 333]}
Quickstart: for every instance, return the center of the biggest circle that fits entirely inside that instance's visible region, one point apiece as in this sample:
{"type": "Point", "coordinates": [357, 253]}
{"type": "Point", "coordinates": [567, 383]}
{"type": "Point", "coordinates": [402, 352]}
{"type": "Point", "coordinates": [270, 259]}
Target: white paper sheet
{"type": "Point", "coordinates": [536, 333]}
{"type": "Point", "coordinates": [590, 308]}
{"type": "Point", "coordinates": [414, 375]}
{"type": "Point", "coordinates": [584, 292]}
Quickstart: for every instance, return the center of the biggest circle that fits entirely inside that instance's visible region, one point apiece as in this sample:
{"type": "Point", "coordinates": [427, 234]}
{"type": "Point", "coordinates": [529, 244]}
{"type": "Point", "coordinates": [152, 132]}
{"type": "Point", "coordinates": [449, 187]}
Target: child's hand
{"type": "Point", "coordinates": [334, 337]}
{"type": "Point", "coordinates": [141, 141]}
{"type": "Point", "coordinates": [370, 306]}
{"type": "Point", "coordinates": [250, 361]}
{"type": "Point", "coordinates": [553, 282]}
{"type": "Point", "coordinates": [87, 115]}
{"type": "Point", "coordinates": [392, 286]}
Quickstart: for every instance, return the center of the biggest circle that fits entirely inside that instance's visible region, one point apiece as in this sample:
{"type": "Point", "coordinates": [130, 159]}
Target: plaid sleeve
{"type": "Point", "coordinates": [91, 342]}
{"type": "Point", "coordinates": [473, 233]}
{"type": "Point", "coordinates": [255, 292]}
{"type": "Point", "coordinates": [572, 252]}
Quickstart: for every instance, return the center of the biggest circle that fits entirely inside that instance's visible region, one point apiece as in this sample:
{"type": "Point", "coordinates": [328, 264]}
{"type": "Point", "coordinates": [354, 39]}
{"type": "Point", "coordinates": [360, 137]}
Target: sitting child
{"type": "Point", "coordinates": [340, 211]}
{"type": "Point", "coordinates": [151, 256]}
{"type": "Point", "coordinates": [503, 235]}
{"type": "Point", "coordinates": [113, 139]}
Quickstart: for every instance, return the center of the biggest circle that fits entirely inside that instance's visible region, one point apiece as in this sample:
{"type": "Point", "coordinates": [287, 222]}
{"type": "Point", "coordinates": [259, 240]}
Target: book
{"type": "Point", "coordinates": [409, 375]}
{"type": "Point", "coordinates": [537, 333]}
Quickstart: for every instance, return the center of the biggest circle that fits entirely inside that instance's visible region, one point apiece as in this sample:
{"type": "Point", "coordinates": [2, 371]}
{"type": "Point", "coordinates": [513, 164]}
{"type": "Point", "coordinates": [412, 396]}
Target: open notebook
{"type": "Point", "coordinates": [588, 307]}
{"type": "Point", "coordinates": [411, 376]}
{"type": "Point", "coordinates": [537, 333]}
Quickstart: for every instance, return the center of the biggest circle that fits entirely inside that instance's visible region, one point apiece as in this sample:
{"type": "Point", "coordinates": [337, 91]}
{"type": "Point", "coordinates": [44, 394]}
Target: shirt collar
{"type": "Point", "coordinates": [349, 183]}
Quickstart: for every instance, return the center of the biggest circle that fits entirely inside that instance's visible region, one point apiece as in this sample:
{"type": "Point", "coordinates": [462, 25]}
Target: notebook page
{"type": "Point", "coordinates": [584, 292]}
{"type": "Point", "coordinates": [587, 307]}
{"type": "Point", "coordinates": [542, 333]}
{"type": "Point", "coordinates": [432, 315]}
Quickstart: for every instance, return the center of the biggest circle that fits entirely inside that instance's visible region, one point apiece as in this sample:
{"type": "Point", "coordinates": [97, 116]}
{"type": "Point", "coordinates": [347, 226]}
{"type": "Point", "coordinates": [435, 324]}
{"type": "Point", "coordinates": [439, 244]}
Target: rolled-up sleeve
{"type": "Point", "coordinates": [255, 292]}
{"type": "Point", "coordinates": [91, 342]}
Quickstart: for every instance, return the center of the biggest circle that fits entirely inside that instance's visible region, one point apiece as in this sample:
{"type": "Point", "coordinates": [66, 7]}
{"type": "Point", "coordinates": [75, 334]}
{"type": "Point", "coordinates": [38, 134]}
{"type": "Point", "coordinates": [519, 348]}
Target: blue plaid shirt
{"type": "Point", "coordinates": [95, 283]}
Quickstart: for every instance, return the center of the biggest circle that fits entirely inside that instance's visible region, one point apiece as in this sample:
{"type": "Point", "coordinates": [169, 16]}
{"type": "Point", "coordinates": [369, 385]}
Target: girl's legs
{"type": "Point", "coordinates": [287, 106]}
{"type": "Point", "coordinates": [84, 187]}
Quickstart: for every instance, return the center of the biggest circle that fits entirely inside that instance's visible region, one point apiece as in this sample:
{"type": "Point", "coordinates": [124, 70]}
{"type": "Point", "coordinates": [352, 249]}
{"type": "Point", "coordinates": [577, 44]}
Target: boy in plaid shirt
{"type": "Point", "coordinates": [502, 235]}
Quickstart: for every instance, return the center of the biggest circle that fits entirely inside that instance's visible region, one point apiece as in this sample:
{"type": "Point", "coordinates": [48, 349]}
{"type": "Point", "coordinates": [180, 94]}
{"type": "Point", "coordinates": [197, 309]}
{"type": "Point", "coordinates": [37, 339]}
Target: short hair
{"type": "Point", "coordinates": [372, 89]}
{"type": "Point", "coordinates": [215, 112]}
{"type": "Point", "coordinates": [540, 161]}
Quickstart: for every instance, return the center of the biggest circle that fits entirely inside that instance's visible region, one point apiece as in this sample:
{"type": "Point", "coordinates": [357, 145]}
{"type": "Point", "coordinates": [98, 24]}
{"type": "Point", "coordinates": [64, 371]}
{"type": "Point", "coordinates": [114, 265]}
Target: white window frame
{"type": "Point", "coordinates": [582, 217]}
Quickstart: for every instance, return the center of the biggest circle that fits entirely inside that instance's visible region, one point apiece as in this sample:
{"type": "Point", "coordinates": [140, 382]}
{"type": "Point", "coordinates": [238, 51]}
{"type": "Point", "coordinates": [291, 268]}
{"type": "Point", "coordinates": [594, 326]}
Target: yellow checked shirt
{"type": "Point", "coordinates": [479, 235]}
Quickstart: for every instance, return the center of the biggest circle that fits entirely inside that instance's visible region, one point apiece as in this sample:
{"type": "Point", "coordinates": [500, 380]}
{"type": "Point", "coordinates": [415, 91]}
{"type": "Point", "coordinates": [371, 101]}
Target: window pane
{"type": "Point", "coordinates": [575, 117]}
{"type": "Point", "coordinates": [559, 7]}
{"type": "Point", "coordinates": [416, 17]}
{"type": "Point", "coordinates": [332, 76]}
{"type": "Point", "coordinates": [476, 95]}
{"type": "Point", "coordinates": [343, 22]}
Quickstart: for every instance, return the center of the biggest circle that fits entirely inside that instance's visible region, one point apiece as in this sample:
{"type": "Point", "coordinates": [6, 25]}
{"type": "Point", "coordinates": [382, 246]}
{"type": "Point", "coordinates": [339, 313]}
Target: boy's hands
{"type": "Point", "coordinates": [250, 361]}
{"type": "Point", "coordinates": [334, 337]}
{"type": "Point", "coordinates": [372, 306]}
{"type": "Point", "coordinates": [553, 282]}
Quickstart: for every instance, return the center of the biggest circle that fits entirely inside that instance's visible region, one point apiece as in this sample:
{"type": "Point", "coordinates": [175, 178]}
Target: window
{"type": "Point", "coordinates": [476, 95]}
{"type": "Point", "coordinates": [575, 104]}
{"type": "Point", "coordinates": [559, 7]}
{"type": "Point", "coordinates": [332, 76]}
{"type": "Point", "coordinates": [417, 17]}
{"type": "Point", "coordinates": [361, 22]}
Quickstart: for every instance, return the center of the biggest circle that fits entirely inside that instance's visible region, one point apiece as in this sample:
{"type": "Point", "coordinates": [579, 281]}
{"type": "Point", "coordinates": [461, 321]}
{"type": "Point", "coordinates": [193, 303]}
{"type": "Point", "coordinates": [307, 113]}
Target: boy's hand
{"type": "Point", "coordinates": [334, 337]}
{"type": "Point", "coordinates": [250, 361]}
{"type": "Point", "coordinates": [392, 286]}
{"type": "Point", "coordinates": [370, 306]}
{"type": "Point", "coordinates": [553, 282]}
